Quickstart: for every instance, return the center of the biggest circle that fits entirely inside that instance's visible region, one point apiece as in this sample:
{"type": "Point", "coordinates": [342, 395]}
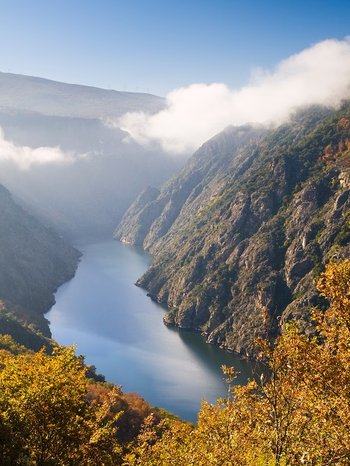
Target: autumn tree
{"type": "Point", "coordinates": [45, 418]}
{"type": "Point", "coordinates": [297, 412]}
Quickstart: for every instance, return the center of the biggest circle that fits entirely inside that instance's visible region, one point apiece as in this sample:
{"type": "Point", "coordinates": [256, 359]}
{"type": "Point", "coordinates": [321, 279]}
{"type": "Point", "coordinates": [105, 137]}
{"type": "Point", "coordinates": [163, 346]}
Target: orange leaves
{"type": "Point", "coordinates": [297, 413]}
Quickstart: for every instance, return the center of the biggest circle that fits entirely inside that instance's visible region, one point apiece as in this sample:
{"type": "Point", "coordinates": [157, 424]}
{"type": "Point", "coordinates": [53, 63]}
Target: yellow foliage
{"type": "Point", "coordinates": [44, 415]}
{"type": "Point", "coordinates": [298, 413]}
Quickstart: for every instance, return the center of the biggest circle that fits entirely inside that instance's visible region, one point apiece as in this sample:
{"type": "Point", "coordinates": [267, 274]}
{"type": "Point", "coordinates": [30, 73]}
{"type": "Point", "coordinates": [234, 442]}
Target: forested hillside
{"type": "Point", "coordinates": [34, 262]}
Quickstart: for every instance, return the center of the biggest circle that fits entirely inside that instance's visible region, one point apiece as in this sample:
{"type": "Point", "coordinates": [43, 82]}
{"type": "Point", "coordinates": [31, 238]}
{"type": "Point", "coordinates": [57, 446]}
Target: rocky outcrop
{"type": "Point", "coordinates": [145, 222]}
{"type": "Point", "coordinates": [247, 226]}
{"type": "Point", "coordinates": [139, 218]}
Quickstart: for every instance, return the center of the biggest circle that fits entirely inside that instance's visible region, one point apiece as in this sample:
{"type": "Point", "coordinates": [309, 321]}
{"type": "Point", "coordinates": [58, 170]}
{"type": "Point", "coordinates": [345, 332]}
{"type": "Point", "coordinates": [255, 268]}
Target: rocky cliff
{"type": "Point", "coordinates": [239, 235]}
{"type": "Point", "coordinates": [34, 262]}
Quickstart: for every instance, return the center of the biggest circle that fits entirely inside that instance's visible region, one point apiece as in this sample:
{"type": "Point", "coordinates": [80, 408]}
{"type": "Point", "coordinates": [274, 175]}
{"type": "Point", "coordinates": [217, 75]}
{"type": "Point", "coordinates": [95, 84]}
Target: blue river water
{"type": "Point", "coordinates": [120, 331]}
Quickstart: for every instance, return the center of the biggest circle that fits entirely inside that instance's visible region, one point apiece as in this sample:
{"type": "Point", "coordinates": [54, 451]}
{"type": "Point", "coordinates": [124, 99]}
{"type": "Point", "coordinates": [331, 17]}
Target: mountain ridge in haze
{"type": "Point", "coordinates": [85, 197]}
{"type": "Point", "coordinates": [51, 97]}
{"type": "Point", "coordinates": [34, 262]}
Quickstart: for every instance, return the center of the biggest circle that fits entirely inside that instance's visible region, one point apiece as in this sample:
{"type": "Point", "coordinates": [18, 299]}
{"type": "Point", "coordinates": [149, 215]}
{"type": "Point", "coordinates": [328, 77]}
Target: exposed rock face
{"type": "Point", "coordinates": [246, 227]}
{"type": "Point", "coordinates": [146, 221]}
{"type": "Point", "coordinates": [34, 262]}
{"type": "Point", "coordinates": [137, 220]}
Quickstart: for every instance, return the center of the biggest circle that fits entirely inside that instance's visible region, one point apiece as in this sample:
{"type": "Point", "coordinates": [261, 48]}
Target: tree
{"type": "Point", "coordinates": [45, 418]}
{"type": "Point", "coordinates": [298, 412]}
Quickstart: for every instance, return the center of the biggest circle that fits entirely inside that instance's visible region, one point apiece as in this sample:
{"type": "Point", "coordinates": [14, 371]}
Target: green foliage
{"type": "Point", "coordinates": [22, 333]}
{"type": "Point", "coordinates": [343, 237]}
{"type": "Point", "coordinates": [9, 344]}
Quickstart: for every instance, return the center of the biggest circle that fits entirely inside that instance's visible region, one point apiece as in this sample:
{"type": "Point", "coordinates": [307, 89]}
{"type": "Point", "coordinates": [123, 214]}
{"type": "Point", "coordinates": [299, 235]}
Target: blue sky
{"type": "Point", "coordinates": [155, 46]}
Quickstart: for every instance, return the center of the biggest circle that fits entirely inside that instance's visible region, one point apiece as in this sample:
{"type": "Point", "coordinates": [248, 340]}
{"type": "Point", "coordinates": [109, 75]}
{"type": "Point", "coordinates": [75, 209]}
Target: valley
{"type": "Point", "coordinates": [120, 331]}
{"type": "Point", "coordinates": [55, 135]}
{"type": "Point", "coordinates": [174, 233]}
{"type": "Point", "coordinates": [242, 232]}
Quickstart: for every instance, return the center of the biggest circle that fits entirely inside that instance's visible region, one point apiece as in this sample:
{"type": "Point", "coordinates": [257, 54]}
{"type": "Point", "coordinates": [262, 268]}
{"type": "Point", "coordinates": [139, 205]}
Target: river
{"type": "Point", "coordinates": [120, 331]}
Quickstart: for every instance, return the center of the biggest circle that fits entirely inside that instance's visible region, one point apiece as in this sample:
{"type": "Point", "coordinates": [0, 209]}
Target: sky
{"type": "Point", "coordinates": [159, 45]}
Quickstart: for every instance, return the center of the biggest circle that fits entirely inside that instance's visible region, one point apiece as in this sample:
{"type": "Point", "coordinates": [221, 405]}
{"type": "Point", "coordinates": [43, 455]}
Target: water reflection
{"type": "Point", "coordinates": [120, 330]}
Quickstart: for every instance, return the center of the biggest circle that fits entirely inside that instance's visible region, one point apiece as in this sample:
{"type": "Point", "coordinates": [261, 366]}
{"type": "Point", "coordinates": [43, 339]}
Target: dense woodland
{"type": "Point", "coordinates": [297, 412]}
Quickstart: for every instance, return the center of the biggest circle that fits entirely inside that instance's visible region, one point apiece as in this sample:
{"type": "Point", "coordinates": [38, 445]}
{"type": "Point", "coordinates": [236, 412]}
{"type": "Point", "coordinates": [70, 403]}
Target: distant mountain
{"type": "Point", "coordinates": [53, 98]}
{"type": "Point", "coordinates": [239, 235]}
{"type": "Point", "coordinates": [34, 262]}
{"type": "Point", "coordinates": [87, 196]}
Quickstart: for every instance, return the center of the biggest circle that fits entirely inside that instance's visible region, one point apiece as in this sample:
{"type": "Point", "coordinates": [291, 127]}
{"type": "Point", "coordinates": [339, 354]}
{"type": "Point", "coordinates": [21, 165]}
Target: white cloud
{"type": "Point", "coordinates": [317, 75]}
{"type": "Point", "coordinates": [25, 157]}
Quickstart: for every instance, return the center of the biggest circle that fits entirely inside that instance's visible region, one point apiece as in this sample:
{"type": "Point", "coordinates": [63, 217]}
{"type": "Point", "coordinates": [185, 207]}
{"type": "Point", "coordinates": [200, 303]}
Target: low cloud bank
{"type": "Point", "coordinates": [25, 157]}
{"type": "Point", "coordinates": [317, 75]}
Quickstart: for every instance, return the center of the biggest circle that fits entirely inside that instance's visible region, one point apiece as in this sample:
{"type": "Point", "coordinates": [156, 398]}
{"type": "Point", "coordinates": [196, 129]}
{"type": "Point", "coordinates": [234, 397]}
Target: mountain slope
{"type": "Point", "coordinates": [34, 262]}
{"type": "Point", "coordinates": [196, 183]}
{"type": "Point", "coordinates": [60, 99]}
{"type": "Point", "coordinates": [234, 253]}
